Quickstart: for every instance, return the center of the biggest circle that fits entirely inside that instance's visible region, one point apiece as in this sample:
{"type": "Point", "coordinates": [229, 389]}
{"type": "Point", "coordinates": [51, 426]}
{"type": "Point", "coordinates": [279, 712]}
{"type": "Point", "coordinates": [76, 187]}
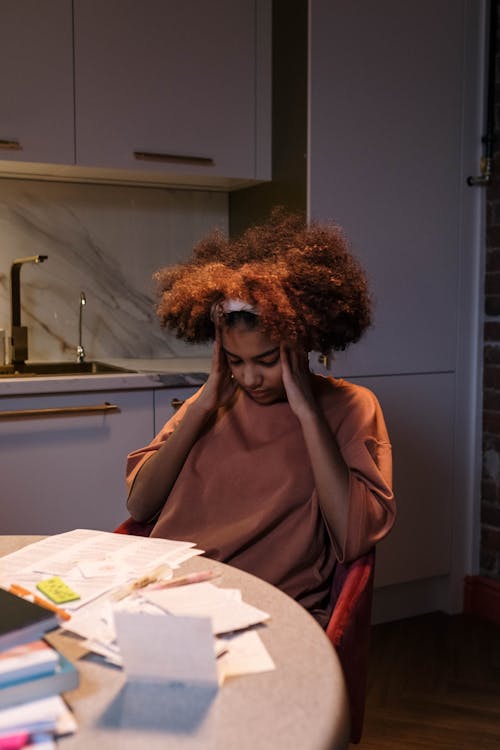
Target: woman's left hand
{"type": "Point", "coordinates": [297, 380]}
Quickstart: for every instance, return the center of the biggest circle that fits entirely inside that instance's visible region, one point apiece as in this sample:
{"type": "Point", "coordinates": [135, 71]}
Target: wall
{"type": "Point", "coordinates": [106, 241]}
{"type": "Point", "coordinates": [490, 487]}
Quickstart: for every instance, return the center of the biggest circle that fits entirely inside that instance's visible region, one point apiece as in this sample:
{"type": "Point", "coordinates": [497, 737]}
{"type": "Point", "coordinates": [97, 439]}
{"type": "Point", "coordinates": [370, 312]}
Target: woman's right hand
{"type": "Point", "coordinates": [220, 385]}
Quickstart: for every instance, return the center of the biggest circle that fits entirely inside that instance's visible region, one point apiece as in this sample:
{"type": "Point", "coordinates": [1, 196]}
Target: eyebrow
{"type": "Point", "coordinates": [259, 356]}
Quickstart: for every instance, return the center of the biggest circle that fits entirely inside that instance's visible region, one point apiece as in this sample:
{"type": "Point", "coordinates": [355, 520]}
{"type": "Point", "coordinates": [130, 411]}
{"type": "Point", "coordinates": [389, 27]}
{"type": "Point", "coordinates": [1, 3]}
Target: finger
{"type": "Point", "coordinates": [299, 360]}
{"type": "Point", "coordinates": [303, 360]}
{"type": "Point", "coordinates": [294, 361]}
{"type": "Point", "coordinates": [284, 354]}
{"type": "Point", "coordinates": [216, 355]}
{"type": "Point", "coordinates": [219, 356]}
{"type": "Point", "coordinates": [218, 337]}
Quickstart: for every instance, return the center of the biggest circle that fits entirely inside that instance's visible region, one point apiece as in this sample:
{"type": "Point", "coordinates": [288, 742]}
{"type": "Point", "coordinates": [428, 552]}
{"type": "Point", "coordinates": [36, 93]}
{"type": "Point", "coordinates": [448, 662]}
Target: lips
{"type": "Point", "coordinates": [259, 395]}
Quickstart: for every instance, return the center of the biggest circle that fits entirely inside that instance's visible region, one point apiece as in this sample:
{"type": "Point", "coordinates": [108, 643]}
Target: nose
{"type": "Point", "coordinates": [251, 376]}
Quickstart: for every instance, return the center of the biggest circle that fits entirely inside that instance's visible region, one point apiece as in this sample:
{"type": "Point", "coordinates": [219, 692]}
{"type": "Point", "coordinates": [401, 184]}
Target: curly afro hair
{"type": "Point", "coordinates": [308, 288]}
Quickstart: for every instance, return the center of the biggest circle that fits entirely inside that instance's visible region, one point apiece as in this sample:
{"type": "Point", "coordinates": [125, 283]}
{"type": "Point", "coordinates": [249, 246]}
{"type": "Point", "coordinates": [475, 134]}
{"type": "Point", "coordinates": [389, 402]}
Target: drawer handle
{"type": "Point", "coordinates": [198, 161]}
{"type": "Point", "coordinates": [176, 403]}
{"type": "Point", "coordinates": [10, 145]}
{"type": "Point", "coordinates": [59, 411]}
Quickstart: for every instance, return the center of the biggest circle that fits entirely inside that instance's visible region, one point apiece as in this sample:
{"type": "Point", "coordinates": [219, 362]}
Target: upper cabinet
{"type": "Point", "coordinates": [151, 92]}
{"type": "Point", "coordinates": [162, 85]}
{"type": "Point", "coordinates": [36, 81]}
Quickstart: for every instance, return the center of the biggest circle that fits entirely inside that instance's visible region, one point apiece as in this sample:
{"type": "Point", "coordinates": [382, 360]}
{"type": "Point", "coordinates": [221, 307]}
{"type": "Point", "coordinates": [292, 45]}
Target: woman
{"type": "Point", "coordinates": [269, 467]}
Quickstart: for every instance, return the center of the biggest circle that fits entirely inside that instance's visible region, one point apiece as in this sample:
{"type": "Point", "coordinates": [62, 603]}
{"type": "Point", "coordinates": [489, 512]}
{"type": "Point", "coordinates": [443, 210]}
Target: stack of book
{"type": "Point", "coordinates": [31, 671]}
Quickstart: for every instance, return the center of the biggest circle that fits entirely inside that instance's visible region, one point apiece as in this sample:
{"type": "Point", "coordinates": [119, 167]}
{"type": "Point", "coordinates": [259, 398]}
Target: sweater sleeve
{"type": "Point", "coordinates": [138, 458]}
{"type": "Point", "coordinates": [364, 443]}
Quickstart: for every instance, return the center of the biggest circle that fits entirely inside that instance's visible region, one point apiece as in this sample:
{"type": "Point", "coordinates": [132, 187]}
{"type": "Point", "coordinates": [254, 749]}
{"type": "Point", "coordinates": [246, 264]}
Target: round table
{"type": "Point", "coordinates": [301, 704]}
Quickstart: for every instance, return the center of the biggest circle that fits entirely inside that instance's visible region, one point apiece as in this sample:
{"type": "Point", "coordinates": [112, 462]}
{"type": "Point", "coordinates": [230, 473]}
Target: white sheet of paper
{"type": "Point", "coordinates": [207, 600]}
{"type": "Point", "coordinates": [126, 557]}
{"type": "Point", "coordinates": [246, 654]}
{"type": "Point", "coordinates": [166, 649]}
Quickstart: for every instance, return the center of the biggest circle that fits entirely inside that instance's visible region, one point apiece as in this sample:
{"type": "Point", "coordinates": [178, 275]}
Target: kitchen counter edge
{"type": "Point", "coordinates": [143, 374]}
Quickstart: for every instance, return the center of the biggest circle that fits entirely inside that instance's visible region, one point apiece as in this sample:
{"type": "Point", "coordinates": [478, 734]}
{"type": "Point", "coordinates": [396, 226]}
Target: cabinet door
{"type": "Point", "coordinates": [36, 81]}
{"type": "Point", "coordinates": [387, 160]}
{"type": "Point", "coordinates": [167, 401]}
{"type": "Point", "coordinates": [68, 471]}
{"type": "Point", "coordinates": [179, 81]}
{"type": "Point", "coordinates": [419, 412]}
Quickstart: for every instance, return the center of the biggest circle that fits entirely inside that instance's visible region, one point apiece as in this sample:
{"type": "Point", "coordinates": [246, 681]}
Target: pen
{"type": "Point", "coordinates": [15, 588]}
{"type": "Point", "coordinates": [203, 575]}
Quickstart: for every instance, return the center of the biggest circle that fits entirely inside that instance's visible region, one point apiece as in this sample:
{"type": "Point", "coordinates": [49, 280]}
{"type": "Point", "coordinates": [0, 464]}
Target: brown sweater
{"type": "Point", "coordinates": [246, 492]}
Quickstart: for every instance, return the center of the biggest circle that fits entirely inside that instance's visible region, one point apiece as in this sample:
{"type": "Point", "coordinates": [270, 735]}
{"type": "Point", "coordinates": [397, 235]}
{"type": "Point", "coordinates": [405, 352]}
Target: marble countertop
{"type": "Point", "coordinates": [169, 372]}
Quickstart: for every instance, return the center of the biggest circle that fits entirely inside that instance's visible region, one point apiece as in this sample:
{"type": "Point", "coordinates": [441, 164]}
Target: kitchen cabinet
{"type": "Point", "coordinates": [392, 172]}
{"type": "Point", "coordinates": [36, 81]}
{"type": "Point", "coordinates": [67, 470]}
{"type": "Point", "coordinates": [419, 545]}
{"type": "Point", "coordinates": [166, 403]}
{"type": "Point", "coordinates": [152, 92]}
{"type": "Point", "coordinates": [167, 86]}
{"type": "Point", "coordinates": [404, 165]}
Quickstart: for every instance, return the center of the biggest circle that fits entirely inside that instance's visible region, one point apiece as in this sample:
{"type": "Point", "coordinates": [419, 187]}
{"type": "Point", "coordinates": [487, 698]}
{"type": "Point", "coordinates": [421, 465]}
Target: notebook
{"type": "Point", "coordinates": [64, 677]}
{"type": "Point", "coordinates": [22, 621]}
{"type": "Point", "coordinates": [25, 661]}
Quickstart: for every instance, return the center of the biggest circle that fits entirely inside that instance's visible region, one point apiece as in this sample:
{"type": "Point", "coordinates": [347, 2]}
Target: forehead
{"type": "Point", "coordinates": [245, 343]}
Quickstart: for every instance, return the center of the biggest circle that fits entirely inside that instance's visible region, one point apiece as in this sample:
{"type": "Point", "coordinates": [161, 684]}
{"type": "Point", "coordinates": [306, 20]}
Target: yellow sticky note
{"type": "Point", "coordinates": [57, 591]}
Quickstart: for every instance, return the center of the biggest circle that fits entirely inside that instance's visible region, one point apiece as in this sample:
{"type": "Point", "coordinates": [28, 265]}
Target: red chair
{"type": "Point", "coordinates": [134, 528]}
{"type": "Point", "coordinates": [349, 630]}
{"type": "Point", "coordinates": [349, 625]}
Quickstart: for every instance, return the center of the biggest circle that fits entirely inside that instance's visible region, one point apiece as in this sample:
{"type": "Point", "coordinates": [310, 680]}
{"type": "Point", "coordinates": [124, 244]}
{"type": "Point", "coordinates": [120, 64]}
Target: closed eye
{"type": "Point", "coordinates": [266, 359]}
{"type": "Point", "coordinates": [269, 362]}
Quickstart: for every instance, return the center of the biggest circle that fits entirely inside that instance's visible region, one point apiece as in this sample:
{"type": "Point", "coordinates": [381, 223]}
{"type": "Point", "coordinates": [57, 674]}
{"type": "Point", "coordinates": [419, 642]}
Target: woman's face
{"type": "Point", "coordinates": [255, 363]}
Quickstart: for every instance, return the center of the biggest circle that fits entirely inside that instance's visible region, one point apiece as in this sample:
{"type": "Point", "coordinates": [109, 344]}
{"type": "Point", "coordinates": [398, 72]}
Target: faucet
{"type": "Point", "coordinates": [80, 351]}
{"type": "Point", "coordinates": [19, 333]}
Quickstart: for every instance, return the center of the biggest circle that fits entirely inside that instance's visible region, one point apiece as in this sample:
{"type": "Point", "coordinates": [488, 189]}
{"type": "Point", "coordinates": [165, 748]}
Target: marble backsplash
{"type": "Point", "coordinates": [106, 241]}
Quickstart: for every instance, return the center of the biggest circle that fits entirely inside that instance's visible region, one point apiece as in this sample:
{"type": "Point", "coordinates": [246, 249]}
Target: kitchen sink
{"type": "Point", "coordinates": [44, 369]}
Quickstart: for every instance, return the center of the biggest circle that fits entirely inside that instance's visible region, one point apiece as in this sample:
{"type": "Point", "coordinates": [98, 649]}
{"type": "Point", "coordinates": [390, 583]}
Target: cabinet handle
{"type": "Point", "coordinates": [59, 411]}
{"type": "Point", "coordinates": [199, 161]}
{"type": "Point", "coordinates": [10, 145]}
{"type": "Point", "coordinates": [176, 403]}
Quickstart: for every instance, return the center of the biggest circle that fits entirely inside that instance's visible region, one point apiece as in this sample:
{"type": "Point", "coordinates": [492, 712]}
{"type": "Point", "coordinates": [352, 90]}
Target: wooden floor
{"type": "Point", "coordinates": [434, 683]}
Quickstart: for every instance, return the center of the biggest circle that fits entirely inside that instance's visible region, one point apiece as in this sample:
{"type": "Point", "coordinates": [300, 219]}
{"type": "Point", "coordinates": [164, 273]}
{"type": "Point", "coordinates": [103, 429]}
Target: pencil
{"type": "Point", "coordinates": [15, 588]}
{"type": "Point", "coordinates": [202, 575]}
{"type": "Point", "coordinates": [140, 583]}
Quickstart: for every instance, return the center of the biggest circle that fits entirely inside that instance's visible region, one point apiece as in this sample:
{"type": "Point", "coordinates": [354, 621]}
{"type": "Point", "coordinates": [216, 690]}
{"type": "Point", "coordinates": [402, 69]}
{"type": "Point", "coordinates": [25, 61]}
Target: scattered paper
{"type": "Point", "coordinates": [96, 563]}
{"type": "Point", "coordinates": [245, 654]}
{"type": "Point", "coordinates": [95, 625]}
{"type": "Point", "coordinates": [206, 600]}
{"type": "Point", "coordinates": [74, 554]}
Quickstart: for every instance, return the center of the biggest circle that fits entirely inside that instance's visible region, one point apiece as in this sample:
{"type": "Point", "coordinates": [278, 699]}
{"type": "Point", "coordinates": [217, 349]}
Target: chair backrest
{"type": "Point", "coordinates": [349, 630]}
{"type": "Point", "coordinates": [134, 528]}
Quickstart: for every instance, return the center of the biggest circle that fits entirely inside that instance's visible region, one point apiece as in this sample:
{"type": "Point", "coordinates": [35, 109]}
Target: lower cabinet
{"type": "Point", "coordinates": [64, 467]}
{"type": "Point", "coordinates": [416, 568]}
{"type": "Point", "coordinates": [63, 456]}
{"type": "Point", "coordinates": [419, 412]}
{"type": "Point", "coordinates": [167, 401]}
